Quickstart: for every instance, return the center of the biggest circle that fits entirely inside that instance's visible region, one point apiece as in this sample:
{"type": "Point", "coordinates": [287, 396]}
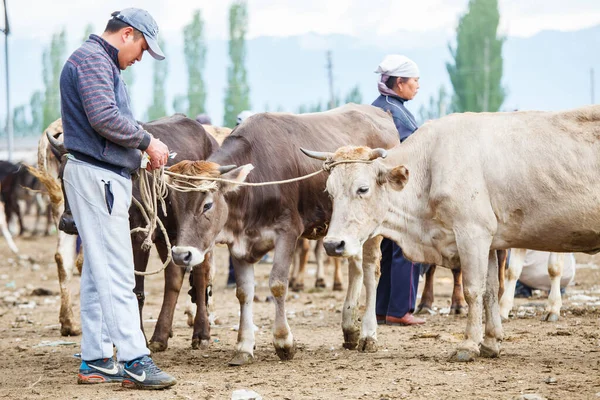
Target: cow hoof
{"type": "Point", "coordinates": [291, 282]}
{"type": "Point", "coordinates": [200, 344]}
{"type": "Point", "coordinates": [367, 345]}
{"type": "Point", "coordinates": [458, 310]}
{"type": "Point", "coordinates": [489, 351]}
{"type": "Point", "coordinates": [422, 309]}
{"type": "Point", "coordinates": [320, 283]}
{"type": "Point", "coordinates": [286, 353]}
{"type": "Point", "coordinates": [241, 358]}
{"type": "Point", "coordinates": [190, 318]}
{"type": "Point", "coordinates": [351, 339]}
{"type": "Point", "coordinates": [171, 333]}
{"type": "Point", "coordinates": [464, 355]}
{"type": "Point", "coordinates": [298, 287]}
{"type": "Point", "coordinates": [550, 317]}
{"type": "Point", "coordinates": [157, 347]}
{"type": "Point", "coordinates": [70, 331]}
{"type": "Point", "coordinates": [338, 287]}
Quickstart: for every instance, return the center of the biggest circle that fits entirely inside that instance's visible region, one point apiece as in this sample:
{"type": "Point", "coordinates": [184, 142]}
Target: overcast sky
{"type": "Point", "coordinates": [369, 19]}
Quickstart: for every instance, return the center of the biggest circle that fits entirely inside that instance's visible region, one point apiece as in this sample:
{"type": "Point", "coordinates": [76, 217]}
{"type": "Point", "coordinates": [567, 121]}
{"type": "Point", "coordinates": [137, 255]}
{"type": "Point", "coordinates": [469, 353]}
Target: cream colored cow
{"type": "Point", "coordinates": [478, 182]}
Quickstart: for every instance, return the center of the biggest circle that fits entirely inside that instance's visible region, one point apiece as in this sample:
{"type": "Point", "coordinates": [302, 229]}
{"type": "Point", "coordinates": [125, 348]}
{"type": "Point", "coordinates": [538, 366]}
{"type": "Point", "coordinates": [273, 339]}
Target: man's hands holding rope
{"type": "Point", "coordinates": [158, 153]}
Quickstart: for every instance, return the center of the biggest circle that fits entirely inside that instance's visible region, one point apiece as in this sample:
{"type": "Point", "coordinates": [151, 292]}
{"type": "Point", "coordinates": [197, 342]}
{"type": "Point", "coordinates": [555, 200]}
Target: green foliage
{"type": "Point", "coordinates": [437, 108]}
{"type": "Point", "coordinates": [237, 94]}
{"type": "Point", "coordinates": [36, 105]}
{"type": "Point", "coordinates": [158, 107]}
{"type": "Point", "coordinates": [476, 72]}
{"type": "Point", "coordinates": [353, 96]}
{"type": "Point", "coordinates": [89, 29]}
{"type": "Point", "coordinates": [20, 123]}
{"type": "Point", "coordinates": [53, 61]}
{"type": "Point", "coordinates": [195, 58]}
{"type": "Point", "coordinates": [180, 105]}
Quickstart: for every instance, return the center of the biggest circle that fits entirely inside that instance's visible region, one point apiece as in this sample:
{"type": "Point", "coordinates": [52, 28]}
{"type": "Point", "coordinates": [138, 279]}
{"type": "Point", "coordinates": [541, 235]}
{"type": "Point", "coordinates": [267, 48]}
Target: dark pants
{"type": "Point", "coordinates": [398, 284]}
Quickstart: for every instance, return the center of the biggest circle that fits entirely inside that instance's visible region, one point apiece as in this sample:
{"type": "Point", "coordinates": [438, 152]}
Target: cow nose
{"type": "Point", "coordinates": [334, 247]}
{"type": "Point", "coordinates": [182, 257]}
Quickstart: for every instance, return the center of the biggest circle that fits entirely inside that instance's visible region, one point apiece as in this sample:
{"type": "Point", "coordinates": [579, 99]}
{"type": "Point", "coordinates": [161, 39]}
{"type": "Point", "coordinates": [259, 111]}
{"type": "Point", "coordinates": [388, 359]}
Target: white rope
{"type": "Point", "coordinates": [151, 193]}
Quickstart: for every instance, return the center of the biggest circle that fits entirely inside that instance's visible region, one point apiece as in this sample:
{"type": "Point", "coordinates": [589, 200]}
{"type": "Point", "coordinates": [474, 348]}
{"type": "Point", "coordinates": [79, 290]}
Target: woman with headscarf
{"type": "Point", "coordinates": [397, 289]}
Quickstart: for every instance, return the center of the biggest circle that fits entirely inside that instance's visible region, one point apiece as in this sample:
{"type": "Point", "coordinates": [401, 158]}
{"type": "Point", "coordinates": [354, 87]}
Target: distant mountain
{"type": "Point", "coordinates": [548, 71]}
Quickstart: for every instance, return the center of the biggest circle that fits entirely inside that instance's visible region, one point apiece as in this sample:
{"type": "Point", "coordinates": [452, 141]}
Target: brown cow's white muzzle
{"type": "Point", "coordinates": [334, 247]}
{"type": "Point", "coordinates": [187, 256]}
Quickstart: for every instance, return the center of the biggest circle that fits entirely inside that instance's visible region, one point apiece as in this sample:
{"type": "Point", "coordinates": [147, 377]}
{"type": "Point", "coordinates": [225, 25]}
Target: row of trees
{"type": "Point", "coordinates": [44, 106]}
{"type": "Point", "coordinates": [475, 72]}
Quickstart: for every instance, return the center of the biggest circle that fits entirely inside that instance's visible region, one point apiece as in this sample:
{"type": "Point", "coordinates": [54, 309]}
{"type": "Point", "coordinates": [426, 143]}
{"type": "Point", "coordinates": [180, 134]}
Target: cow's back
{"type": "Point", "coordinates": [530, 166]}
{"type": "Point", "coordinates": [184, 136]}
{"type": "Point", "coordinates": [271, 142]}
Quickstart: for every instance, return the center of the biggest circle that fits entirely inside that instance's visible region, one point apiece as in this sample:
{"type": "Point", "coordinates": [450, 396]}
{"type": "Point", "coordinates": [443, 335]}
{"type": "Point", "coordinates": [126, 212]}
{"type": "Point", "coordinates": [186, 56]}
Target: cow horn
{"type": "Point", "coordinates": [223, 169]}
{"type": "Point", "coordinates": [56, 145]}
{"type": "Point", "coordinates": [377, 153]}
{"type": "Point", "coordinates": [319, 155]}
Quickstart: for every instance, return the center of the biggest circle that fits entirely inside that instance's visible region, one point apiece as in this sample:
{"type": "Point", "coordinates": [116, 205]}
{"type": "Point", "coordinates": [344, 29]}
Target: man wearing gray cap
{"type": "Point", "coordinates": [105, 145]}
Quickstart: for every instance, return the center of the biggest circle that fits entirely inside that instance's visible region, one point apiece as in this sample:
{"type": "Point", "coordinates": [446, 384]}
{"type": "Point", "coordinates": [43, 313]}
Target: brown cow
{"type": "Point", "coordinates": [253, 221]}
{"type": "Point", "coordinates": [189, 140]}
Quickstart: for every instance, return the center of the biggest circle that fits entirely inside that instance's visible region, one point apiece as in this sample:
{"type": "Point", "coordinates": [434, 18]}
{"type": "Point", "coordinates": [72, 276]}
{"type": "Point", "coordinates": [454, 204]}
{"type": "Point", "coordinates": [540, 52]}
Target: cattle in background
{"type": "Point", "coordinates": [478, 183]}
{"type": "Point", "coordinates": [253, 221]}
{"type": "Point", "coordinates": [297, 273]}
{"type": "Point", "coordinates": [188, 139]}
{"type": "Point", "coordinates": [19, 185]}
{"type": "Point", "coordinates": [556, 263]}
{"type": "Point", "coordinates": [458, 304]}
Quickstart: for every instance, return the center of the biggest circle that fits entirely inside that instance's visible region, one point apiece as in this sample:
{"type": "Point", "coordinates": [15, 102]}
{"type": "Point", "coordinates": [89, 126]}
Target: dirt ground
{"type": "Point", "coordinates": [553, 360]}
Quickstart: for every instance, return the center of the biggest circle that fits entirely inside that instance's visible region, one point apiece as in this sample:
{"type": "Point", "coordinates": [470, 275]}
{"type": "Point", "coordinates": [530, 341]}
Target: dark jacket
{"type": "Point", "coordinates": [98, 124]}
{"type": "Point", "coordinates": [403, 119]}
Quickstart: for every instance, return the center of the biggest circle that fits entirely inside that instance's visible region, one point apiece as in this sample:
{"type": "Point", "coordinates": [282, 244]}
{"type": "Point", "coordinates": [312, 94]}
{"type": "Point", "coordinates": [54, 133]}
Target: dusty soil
{"type": "Point", "coordinates": [554, 360]}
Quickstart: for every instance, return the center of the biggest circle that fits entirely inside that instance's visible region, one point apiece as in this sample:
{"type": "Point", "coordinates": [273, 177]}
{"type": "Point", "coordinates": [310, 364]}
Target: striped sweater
{"type": "Point", "coordinates": [97, 119]}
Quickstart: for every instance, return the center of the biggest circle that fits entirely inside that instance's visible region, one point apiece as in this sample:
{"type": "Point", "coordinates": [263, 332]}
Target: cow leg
{"type": "Point", "coordinates": [319, 254]}
{"type": "Point", "coordinates": [283, 340]}
{"type": "Point", "coordinates": [303, 253]}
{"type": "Point", "coordinates": [555, 270]}
{"type": "Point", "coordinates": [371, 273]}
{"type": "Point", "coordinates": [202, 283]}
{"type": "Point", "coordinates": [473, 251]}
{"type": "Point", "coordinates": [65, 261]}
{"type": "Point", "coordinates": [244, 277]}
{"type": "Point", "coordinates": [502, 255]}
{"type": "Point", "coordinates": [426, 304]}
{"type": "Point", "coordinates": [140, 263]}
{"type": "Point", "coordinates": [368, 273]}
{"type": "Point", "coordinates": [493, 323]}
{"type": "Point", "coordinates": [515, 267]}
{"type": "Point", "coordinates": [337, 274]}
{"type": "Point", "coordinates": [5, 231]}
{"type": "Point", "coordinates": [458, 305]}
{"type": "Point", "coordinates": [173, 282]}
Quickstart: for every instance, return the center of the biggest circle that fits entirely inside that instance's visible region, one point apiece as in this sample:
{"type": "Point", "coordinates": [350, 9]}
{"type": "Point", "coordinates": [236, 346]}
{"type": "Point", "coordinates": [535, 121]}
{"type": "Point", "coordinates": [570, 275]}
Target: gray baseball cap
{"type": "Point", "coordinates": [143, 22]}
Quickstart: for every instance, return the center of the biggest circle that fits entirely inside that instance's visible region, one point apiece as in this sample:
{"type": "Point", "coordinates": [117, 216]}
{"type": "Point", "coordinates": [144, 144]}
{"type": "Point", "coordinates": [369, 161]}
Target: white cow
{"type": "Point", "coordinates": [556, 263]}
{"type": "Point", "coordinates": [478, 182]}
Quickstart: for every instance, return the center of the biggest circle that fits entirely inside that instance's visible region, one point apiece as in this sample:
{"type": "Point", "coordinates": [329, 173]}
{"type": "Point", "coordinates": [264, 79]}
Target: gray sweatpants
{"type": "Point", "coordinates": [109, 309]}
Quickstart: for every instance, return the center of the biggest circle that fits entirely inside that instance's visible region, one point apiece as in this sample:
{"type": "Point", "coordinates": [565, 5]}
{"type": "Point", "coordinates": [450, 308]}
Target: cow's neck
{"type": "Point", "coordinates": [408, 220]}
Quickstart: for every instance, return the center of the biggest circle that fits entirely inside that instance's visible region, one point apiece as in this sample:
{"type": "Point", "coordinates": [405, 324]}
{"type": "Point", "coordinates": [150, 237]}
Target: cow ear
{"type": "Point", "coordinates": [238, 174]}
{"type": "Point", "coordinates": [397, 177]}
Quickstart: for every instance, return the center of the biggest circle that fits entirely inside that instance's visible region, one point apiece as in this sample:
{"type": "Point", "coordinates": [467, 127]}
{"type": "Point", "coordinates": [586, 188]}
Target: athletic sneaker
{"type": "Point", "coordinates": [104, 370]}
{"type": "Point", "coordinates": [142, 373]}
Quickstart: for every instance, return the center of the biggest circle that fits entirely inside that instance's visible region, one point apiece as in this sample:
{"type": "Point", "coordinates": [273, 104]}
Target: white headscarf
{"type": "Point", "coordinates": [395, 65]}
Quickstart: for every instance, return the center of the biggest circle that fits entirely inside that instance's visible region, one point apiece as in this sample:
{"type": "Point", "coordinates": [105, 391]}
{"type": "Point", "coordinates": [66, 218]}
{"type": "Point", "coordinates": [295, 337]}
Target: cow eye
{"type": "Point", "coordinates": [362, 190]}
{"type": "Point", "coordinates": [208, 206]}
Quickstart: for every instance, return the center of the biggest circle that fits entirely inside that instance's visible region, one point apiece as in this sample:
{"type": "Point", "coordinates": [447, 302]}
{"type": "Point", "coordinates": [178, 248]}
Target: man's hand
{"type": "Point", "coordinates": [158, 152]}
